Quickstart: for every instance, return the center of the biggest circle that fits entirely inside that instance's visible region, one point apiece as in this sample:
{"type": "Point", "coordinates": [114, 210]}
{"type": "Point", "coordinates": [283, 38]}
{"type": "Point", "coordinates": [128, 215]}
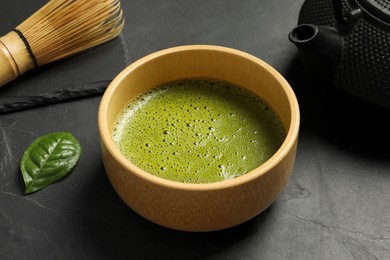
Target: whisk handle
{"type": "Point", "coordinates": [8, 68]}
{"type": "Point", "coordinates": [14, 58]}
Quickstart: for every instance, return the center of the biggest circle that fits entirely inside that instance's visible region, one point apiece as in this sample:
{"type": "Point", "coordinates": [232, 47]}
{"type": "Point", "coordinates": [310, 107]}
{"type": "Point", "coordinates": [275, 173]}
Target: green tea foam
{"type": "Point", "coordinates": [198, 131]}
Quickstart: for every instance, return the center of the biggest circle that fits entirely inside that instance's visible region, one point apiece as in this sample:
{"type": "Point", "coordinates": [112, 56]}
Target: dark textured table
{"type": "Point", "coordinates": [335, 206]}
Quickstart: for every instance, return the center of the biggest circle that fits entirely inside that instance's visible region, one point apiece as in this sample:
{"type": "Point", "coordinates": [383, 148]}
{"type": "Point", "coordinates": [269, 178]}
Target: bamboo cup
{"type": "Point", "coordinates": [209, 206]}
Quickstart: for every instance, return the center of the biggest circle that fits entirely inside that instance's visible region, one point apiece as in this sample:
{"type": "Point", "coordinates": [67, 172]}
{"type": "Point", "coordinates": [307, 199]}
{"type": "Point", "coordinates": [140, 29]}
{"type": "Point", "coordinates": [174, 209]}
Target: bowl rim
{"type": "Point", "coordinates": [287, 145]}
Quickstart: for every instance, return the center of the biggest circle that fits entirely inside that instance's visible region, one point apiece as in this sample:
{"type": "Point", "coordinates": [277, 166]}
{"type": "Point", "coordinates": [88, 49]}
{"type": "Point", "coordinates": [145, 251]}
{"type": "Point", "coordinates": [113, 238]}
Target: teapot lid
{"type": "Point", "coordinates": [378, 8]}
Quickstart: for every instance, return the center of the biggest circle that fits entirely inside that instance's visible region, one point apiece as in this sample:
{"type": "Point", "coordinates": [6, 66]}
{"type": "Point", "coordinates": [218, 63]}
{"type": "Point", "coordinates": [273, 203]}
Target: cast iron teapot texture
{"type": "Point", "coordinates": [348, 43]}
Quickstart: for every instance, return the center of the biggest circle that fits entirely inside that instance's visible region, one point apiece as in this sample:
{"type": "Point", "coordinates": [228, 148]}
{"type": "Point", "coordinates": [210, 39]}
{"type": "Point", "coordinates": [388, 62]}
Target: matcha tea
{"type": "Point", "coordinates": [198, 131]}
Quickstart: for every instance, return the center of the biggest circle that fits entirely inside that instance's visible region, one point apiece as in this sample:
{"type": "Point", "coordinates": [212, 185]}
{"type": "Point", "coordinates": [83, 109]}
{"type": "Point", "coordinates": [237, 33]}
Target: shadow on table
{"type": "Point", "coordinates": [354, 124]}
{"type": "Point", "coordinates": [149, 241]}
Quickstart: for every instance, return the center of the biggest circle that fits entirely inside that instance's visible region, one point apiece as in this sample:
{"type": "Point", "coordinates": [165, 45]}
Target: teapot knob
{"type": "Point", "coordinates": [348, 21]}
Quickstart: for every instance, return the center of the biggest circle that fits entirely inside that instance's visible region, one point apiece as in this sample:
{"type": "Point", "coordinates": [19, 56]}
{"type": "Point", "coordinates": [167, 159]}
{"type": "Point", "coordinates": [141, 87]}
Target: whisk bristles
{"type": "Point", "coordinates": [59, 29]}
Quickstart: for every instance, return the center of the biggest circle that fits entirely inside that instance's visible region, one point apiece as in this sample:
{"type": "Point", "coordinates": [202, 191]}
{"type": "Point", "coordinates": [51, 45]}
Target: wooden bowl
{"type": "Point", "coordinates": [199, 207]}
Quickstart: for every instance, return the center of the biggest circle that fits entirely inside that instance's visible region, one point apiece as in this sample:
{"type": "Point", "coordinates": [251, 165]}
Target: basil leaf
{"type": "Point", "coordinates": [49, 159]}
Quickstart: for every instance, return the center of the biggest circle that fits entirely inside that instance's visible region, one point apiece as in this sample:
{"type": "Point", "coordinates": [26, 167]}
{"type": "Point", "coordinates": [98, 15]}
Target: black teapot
{"type": "Point", "coordinates": [348, 43]}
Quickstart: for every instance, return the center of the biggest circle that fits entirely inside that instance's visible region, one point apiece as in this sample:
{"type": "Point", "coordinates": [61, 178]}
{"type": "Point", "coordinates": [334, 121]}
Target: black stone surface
{"type": "Point", "coordinates": [335, 206]}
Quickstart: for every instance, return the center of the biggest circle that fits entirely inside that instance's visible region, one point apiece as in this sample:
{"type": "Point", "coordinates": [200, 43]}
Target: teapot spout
{"type": "Point", "coordinates": [319, 47]}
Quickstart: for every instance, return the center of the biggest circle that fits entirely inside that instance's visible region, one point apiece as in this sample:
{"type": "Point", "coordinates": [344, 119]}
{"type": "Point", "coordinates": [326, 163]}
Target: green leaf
{"type": "Point", "coordinates": [49, 159]}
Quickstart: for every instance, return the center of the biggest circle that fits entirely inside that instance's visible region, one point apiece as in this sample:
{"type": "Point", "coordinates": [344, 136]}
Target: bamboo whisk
{"type": "Point", "coordinates": [59, 29]}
